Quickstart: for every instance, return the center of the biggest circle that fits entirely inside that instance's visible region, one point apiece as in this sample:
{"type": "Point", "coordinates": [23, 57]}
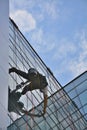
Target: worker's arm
{"type": "Point", "coordinates": [45, 103]}
{"type": "Point", "coordinates": [19, 72]}
{"type": "Point", "coordinates": [23, 83]}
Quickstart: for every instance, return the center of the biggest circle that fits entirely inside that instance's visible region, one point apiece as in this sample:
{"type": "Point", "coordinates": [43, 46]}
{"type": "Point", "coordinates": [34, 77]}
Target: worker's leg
{"type": "Point", "coordinates": [19, 72]}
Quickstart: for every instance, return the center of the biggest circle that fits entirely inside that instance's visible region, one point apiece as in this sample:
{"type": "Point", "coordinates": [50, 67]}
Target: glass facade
{"type": "Point", "coordinates": [66, 108]}
{"type": "Point", "coordinates": [77, 90]}
{"type": "Point", "coordinates": [23, 56]}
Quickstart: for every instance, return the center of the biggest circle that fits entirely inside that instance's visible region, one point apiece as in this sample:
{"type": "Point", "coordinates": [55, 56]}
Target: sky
{"type": "Point", "coordinates": [57, 30]}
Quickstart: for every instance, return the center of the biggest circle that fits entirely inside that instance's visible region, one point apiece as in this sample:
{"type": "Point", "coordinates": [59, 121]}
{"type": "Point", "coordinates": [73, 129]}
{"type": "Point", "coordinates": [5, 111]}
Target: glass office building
{"type": "Point", "coordinates": [67, 106]}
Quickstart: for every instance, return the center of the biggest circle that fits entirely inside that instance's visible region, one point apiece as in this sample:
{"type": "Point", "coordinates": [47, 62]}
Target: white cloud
{"type": "Point", "coordinates": [63, 49]}
{"type": "Point", "coordinates": [79, 64]}
{"type": "Point", "coordinates": [23, 4]}
{"type": "Point", "coordinates": [41, 9]}
{"type": "Point", "coordinates": [24, 20]}
{"type": "Point", "coordinates": [38, 36]}
{"type": "Point", "coordinates": [71, 57]}
{"type": "Point", "coordinates": [51, 8]}
{"type": "Point", "coordinates": [40, 42]}
{"type": "Point", "coordinates": [77, 67]}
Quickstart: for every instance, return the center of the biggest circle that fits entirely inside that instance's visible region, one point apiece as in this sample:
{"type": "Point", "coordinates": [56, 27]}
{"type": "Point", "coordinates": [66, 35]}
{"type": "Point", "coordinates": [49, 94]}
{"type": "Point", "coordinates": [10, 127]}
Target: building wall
{"type": "Point", "coordinates": [23, 56]}
{"type": "Point", "coordinates": [4, 31]}
{"type": "Point", "coordinates": [77, 90]}
{"type": "Point", "coordinates": [62, 111]}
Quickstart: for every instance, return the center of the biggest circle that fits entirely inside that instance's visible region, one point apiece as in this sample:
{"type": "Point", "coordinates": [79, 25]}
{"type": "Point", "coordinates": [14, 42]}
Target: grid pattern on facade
{"type": "Point", "coordinates": [77, 90]}
{"type": "Point", "coordinates": [62, 111]}
{"type": "Point", "coordinates": [23, 56]}
{"type": "Point", "coordinates": [62, 114]}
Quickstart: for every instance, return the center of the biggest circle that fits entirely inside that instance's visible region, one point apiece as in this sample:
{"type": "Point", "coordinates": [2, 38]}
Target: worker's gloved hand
{"type": "Point", "coordinates": [22, 83]}
{"type": "Point", "coordinates": [12, 70]}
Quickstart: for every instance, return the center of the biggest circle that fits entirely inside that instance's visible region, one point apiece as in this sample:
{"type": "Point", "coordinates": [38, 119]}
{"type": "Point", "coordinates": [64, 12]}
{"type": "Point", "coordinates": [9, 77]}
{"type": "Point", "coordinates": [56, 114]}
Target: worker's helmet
{"type": "Point", "coordinates": [32, 71]}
